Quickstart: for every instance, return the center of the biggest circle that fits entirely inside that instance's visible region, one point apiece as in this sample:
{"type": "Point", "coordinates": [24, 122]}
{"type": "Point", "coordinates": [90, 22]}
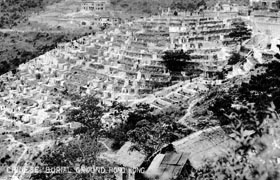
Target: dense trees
{"type": "Point", "coordinates": [250, 99]}
{"type": "Point", "coordinates": [149, 130]}
{"type": "Point", "coordinates": [88, 113]}
{"type": "Point", "coordinates": [128, 121]}
{"type": "Point", "coordinates": [176, 61]}
{"type": "Point", "coordinates": [187, 5]}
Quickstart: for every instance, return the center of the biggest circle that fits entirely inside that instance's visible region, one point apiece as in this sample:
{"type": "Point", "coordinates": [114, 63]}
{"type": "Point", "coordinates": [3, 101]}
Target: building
{"type": "Point", "coordinates": [94, 5]}
{"type": "Point", "coordinates": [169, 166]}
{"type": "Point", "coordinates": [271, 4]}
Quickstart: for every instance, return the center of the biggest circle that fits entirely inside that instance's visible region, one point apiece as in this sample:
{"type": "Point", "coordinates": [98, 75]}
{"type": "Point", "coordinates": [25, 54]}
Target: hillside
{"type": "Point", "coordinates": [18, 47]}
{"type": "Point", "coordinates": [13, 12]}
{"type": "Point", "coordinates": [20, 41]}
{"type": "Point", "coordinates": [154, 6]}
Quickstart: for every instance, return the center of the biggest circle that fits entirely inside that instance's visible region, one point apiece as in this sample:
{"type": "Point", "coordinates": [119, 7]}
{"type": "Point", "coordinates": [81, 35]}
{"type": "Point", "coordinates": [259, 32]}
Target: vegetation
{"type": "Point", "coordinates": [179, 61]}
{"type": "Point", "coordinates": [255, 156]}
{"type": "Point", "coordinates": [76, 156]}
{"type": "Point", "coordinates": [176, 61]}
{"type": "Point", "coordinates": [147, 7]}
{"type": "Point", "coordinates": [14, 12]}
{"type": "Point", "coordinates": [236, 58]}
{"type": "Point", "coordinates": [249, 114]}
{"type": "Point", "coordinates": [88, 112]}
{"type": "Point", "coordinates": [250, 99]}
{"type": "Point", "coordinates": [149, 130]}
{"type": "Point", "coordinates": [19, 47]}
{"type": "Point", "coordinates": [187, 5]}
{"type": "Point", "coordinates": [278, 4]}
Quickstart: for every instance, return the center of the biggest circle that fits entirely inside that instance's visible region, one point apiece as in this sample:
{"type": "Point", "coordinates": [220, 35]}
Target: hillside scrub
{"type": "Point", "coordinates": [249, 101]}
{"type": "Point", "coordinates": [17, 48]}
{"type": "Point", "coordinates": [14, 12]}
{"type": "Point", "coordinates": [144, 7]}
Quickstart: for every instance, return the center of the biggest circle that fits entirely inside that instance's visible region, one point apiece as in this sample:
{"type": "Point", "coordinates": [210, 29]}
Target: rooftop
{"type": "Point", "coordinates": [168, 166]}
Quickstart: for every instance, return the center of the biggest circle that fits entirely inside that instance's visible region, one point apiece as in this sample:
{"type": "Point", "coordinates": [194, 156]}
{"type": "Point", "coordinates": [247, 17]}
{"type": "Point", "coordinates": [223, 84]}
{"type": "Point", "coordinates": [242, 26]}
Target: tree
{"type": "Point", "coordinates": [240, 32]}
{"type": "Point", "coordinates": [128, 121]}
{"type": "Point", "coordinates": [147, 129]}
{"type": "Point", "coordinates": [202, 4]}
{"type": "Point", "coordinates": [249, 99]}
{"type": "Point", "coordinates": [236, 58]}
{"type": "Point", "coordinates": [183, 5]}
{"type": "Point", "coordinates": [176, 61]}
{"type": "Point", "coordinates": [88, 112]}
{"type": "Point", "coordinates": [278, 4]}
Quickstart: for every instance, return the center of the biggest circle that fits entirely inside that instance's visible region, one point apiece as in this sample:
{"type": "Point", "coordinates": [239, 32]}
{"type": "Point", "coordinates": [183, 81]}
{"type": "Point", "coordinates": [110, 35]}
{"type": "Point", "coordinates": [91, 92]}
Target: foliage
{"type": "Point", "coordinates": [149, 130]}
{"type": "Point", "coordinates": [249, 101]}
{"type": "Point", "coordinates": [13, 12]}
{"type": "Point", "coordinates": [236, 58]}
{"type": "Point", "coordinates": [249, 113]}
{"type": "Point", "coordinates": [187, 5]}
{"type": "Point", "coordinates": [88, 112]}
{"type": "Point", "coordinates": [19, 47]}
{"type": "Point", "coordinates": [177, 62]}
{"type": "Point", "coordinates": [183, 5]}
{"type": "Point", "coordinates": [128, 119]}
{"type": "Point", "coordinates": [278, 4]}
{"type": "Point", "coordinates": [148, 7]}
{"type": "Point", "coordinates": [150, 137]}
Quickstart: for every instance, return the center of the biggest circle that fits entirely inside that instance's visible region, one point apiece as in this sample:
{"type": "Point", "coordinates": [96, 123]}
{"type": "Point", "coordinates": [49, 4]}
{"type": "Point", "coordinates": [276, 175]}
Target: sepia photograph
{"type": "Point", "coordinates": [139, 89]}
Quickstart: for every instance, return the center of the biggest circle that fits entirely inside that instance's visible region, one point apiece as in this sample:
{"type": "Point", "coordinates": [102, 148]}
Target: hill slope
{"type": "Point", "coordinates": [153, 6]}
{"type": "Point", "coordinates": [12, 12]}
